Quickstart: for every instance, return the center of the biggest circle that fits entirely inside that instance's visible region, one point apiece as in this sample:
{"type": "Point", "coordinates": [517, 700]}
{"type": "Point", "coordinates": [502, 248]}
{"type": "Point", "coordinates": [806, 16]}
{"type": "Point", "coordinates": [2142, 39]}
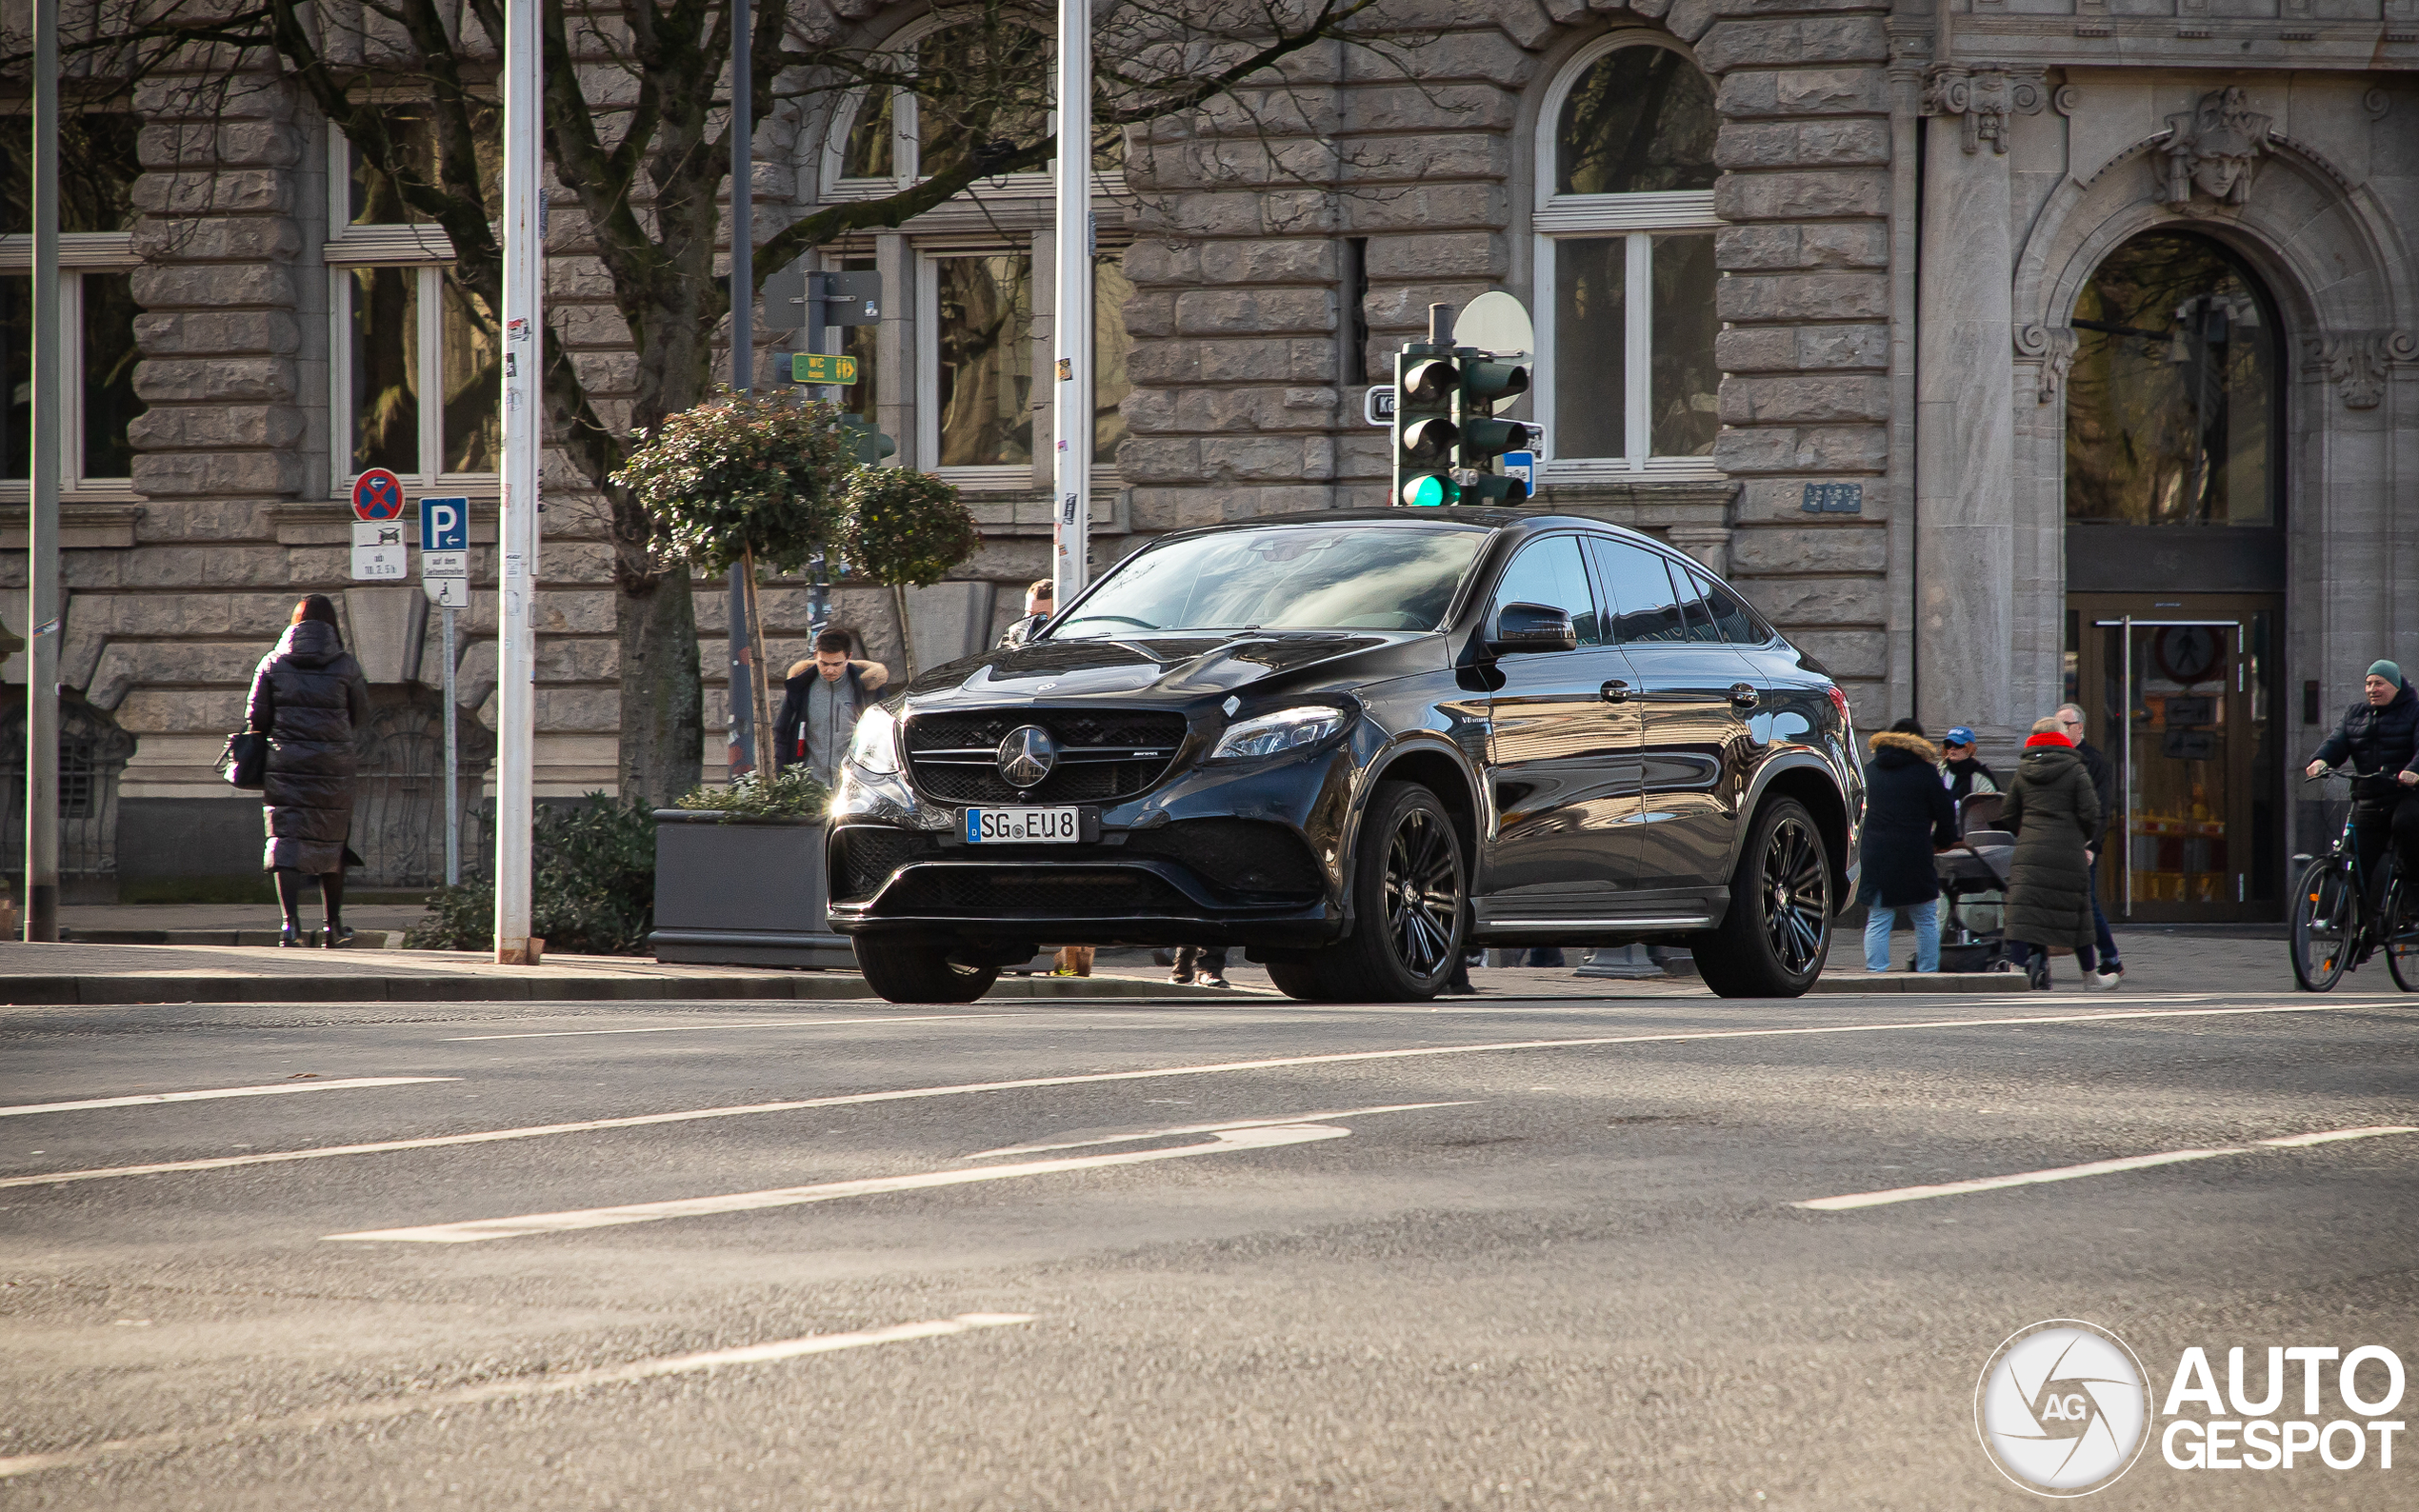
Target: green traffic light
{"type": "Point", "coordinates": [1428, 491]}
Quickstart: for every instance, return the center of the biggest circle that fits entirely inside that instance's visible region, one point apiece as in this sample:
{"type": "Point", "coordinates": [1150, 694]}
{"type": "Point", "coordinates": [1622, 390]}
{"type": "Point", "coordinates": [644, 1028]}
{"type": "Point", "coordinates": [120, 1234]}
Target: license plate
{"type": "Point", "coordinates": [1024, 827]}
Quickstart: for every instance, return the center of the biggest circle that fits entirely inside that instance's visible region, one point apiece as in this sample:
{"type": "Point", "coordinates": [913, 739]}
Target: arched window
{"type": "Point", "coordinates": [2171, 406]}
{"type": "Point", "coordinates": [1624, 262]}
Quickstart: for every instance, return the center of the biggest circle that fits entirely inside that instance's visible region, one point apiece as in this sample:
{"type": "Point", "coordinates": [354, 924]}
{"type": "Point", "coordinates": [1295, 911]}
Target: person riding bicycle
{"type": "Point", "coordinates": [2379, 736]}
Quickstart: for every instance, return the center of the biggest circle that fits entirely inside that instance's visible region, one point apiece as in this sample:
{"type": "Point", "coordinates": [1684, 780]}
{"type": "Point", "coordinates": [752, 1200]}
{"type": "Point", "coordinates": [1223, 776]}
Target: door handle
{"type": "Point", "coordinates": [1743, 695]}
{"type": "Point", "coordinates": [1615, 691]}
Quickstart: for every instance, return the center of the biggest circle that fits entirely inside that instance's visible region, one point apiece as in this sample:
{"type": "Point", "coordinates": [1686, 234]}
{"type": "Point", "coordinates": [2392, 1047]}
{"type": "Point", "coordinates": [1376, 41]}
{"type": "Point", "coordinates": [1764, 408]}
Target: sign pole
{"type": "Point", "coordinates": [445, 577]}
{"type": "Point", "coordinates": [744, 652]}
{"type": "Point", "coordinates": [452, 768]}
{"type": "Point", "coordinates": [524, 353]}
{"type": "Point", "coordinates": [1071, 468]}
{"type": "Point", "coordinates": [43, 601]}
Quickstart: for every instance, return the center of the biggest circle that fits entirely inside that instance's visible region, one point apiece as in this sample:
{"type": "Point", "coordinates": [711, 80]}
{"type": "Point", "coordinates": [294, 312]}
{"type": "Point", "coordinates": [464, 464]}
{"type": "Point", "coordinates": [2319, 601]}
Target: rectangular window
{"type": "Point", "coordinates": [409, 334]}
{"type": "Point", "coordinates": [1592, 296]}
{"type": "Point", "coordinates": [983, 371]}
{"type": "Point", "coordinates": [375, 197]}
{"type": "Point", "coordinates": [96, 322]}
{"type": "Point", "coordinates": [1687, 386]}
{"type": "Point", "coordinates": [386, 369]}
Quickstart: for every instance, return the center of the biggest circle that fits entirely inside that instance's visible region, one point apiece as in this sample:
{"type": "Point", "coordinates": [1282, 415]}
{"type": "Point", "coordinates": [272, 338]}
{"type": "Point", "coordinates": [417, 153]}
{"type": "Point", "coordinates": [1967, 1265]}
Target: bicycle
{"type": "Point", "coordinates": [2332, 931]}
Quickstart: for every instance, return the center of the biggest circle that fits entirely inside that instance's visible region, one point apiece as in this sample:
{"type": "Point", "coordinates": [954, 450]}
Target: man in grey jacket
{"type": "Point", "coordinates": [820, 708]}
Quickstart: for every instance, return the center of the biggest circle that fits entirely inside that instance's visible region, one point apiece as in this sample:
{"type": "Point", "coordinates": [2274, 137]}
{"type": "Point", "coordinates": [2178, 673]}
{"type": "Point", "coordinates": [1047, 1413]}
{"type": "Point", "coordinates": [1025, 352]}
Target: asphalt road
{"type": "Point", "coordinates": [1493, 1255]}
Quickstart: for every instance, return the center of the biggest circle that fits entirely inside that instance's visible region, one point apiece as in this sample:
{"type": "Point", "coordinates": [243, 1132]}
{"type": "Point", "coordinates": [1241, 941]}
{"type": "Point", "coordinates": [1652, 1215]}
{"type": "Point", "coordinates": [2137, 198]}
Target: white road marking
{"type": "Point", "coordinates": [275, 1090]}
{"type": "Point", "coordinates": [1272, 1063]}
{"type": "Point", "coordinates": [2069, 1173]}
{"type": "Point", "coordinates": [512, 1389]}
{"type": "Point", "coordinates": [1209, 1128]}
{"type": "Point", "coordinates": [685, 1029]}
{"type": "Point", "coordinates": [471, 1232]}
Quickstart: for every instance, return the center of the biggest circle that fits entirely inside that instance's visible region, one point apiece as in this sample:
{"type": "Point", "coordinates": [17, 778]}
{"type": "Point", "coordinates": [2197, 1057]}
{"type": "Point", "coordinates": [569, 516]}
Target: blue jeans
{"type": "Point", "coordinates": [1927, 921]}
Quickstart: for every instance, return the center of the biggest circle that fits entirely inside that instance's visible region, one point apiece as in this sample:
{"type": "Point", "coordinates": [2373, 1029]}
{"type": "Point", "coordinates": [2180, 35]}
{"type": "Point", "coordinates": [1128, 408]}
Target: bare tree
{"type": "Point", "coordinates": [638, 124]}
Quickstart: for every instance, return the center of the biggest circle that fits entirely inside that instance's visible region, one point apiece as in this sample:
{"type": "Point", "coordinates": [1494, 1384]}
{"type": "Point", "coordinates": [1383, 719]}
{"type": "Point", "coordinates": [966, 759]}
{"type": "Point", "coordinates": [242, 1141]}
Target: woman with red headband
{"type": "Point", "coordinates": [2055, 812]}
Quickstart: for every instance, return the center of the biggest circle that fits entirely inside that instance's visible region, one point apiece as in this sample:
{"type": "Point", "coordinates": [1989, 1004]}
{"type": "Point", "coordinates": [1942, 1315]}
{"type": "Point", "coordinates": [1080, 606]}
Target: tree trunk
{"type": "Point", "coordinates": [768, 761]}
{"type": "Point", "coordinates": [663, 697]}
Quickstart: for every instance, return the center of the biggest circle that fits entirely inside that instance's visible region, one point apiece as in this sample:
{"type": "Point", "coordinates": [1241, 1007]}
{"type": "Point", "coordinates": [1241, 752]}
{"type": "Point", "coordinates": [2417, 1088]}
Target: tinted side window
{"type": "Point", "coordinates": [1551, 573]}
{"type": "Point", "coordinates": [1733, 620]}
{"type": "Point", "coordinates": [1644, 607]}
{"type": "Point", "coordinates": [1692, 606]}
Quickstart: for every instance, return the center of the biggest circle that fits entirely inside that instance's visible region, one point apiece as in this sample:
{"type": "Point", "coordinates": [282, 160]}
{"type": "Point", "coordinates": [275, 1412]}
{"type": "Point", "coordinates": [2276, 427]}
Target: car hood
{"type": "Point", "coordinates": [1171, 669]}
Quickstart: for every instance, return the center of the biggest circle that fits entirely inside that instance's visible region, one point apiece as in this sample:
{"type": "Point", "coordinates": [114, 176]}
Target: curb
{"type": "Point", "coordinates": [124, 991]}
{"type": "Point", "coordinates": [1938, 981]}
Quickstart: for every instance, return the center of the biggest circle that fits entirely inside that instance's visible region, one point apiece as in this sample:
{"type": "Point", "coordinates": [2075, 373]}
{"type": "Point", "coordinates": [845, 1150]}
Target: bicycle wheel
{"type": "Point", "coordinates": [2402, 939]}
{"type": "Point", "coordinates": [2325, 912]}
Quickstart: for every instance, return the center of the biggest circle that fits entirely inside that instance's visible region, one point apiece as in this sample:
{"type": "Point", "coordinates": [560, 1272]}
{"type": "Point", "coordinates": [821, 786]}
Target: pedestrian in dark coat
{"type": "Point", "coordinates": [308, 697]}
{"type": "Point", "coordinates": [1908, 818]}
{"type": "Point", "coordinates": [2054, 814]}
{"type": "Point", "coordinates": [2379, 739]}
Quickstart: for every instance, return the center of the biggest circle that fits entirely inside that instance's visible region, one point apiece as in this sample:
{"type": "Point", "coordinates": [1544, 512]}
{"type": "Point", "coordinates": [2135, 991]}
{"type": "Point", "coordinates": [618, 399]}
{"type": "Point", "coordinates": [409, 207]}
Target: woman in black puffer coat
{"type": "Point", "coordinates": [2055, 812]}
{"type": "Point", "coordinates": [308, 697]}
{"type": "Point", "coordinates": [1908, 818]}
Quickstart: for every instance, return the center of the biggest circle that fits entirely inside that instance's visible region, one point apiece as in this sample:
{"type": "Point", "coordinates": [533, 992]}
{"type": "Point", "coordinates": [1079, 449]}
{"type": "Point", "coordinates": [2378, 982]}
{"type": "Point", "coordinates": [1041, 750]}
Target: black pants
{"type": "Point", "coordinates": [2378, 820]}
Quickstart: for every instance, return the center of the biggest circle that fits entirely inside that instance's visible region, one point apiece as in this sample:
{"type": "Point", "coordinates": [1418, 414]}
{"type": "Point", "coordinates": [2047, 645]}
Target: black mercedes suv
{"type": "Point", "coordinates": [1357, 745]}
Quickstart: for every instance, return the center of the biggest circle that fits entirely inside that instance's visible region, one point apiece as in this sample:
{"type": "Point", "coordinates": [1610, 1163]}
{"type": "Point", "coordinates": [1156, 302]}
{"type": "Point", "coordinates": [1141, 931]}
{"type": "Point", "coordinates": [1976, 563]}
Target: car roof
{"type": "Point", "coordinates": [1482, 518]}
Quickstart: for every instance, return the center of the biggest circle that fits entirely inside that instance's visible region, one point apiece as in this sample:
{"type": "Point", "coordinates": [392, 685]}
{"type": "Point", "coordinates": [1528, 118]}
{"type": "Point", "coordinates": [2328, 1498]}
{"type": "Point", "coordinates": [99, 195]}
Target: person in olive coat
{"type": "Point", "coordinates": [2054, 813]}
{"type": "Point", "coordinates": [309, 696]}
{"type": "Point", "coordinates": [1907, 817]}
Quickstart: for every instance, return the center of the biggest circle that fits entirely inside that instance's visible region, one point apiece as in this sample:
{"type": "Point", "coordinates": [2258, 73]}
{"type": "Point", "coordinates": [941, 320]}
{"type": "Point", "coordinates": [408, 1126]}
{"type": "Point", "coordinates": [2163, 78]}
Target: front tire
{"type": "Point", "coordinates": [920, 973]}
{"type": "Point", "coordinates": [1773, 941]}
{"type": "Point", "coordinates": [1410, 890]}
{"type": "Point", "coordinates": [2323, 908]}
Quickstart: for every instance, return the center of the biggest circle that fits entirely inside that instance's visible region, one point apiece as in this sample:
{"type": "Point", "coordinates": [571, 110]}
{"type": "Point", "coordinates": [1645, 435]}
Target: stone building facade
{"type": "Point", "coordinates": [2004, 351]}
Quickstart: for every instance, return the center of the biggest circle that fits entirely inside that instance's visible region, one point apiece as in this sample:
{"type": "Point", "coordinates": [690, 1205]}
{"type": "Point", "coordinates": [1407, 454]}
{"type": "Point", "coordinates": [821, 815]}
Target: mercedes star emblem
{"type": "Point", "coordinates": [1027, 756]}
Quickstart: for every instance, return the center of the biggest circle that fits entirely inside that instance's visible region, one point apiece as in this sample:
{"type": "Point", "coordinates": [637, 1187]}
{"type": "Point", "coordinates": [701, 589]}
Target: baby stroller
{"type": "Point", "coordinates": [1973, 882]}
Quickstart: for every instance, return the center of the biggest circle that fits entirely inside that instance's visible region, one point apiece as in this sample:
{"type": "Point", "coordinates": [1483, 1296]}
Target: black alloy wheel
{"type": "Point", "coordinates": [920, 973]}
{"type": "Point", "coordinates": [1773, 941]}
{"type": "Point", "coordinates": [2325, 909]}
{"type": "Point", "coordinates": [1410, 892]}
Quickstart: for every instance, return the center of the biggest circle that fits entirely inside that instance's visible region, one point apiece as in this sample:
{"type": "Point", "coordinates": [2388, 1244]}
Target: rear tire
{"type": "Point", "coordinates": [2402, 937]}
{"type": "Point", "coordinates": [920, 973]}
{"type": "Point", "coordinates": [1778, 931]}
{"type": "Point", "coordinates": [2323, 908]}
{"type": "Point", "coordinates": [1410, 895]}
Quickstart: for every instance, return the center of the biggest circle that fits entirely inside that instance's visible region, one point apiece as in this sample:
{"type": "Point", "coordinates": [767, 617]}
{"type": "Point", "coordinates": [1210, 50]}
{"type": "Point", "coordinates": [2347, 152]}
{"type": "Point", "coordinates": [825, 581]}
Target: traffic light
{"type": "Point", "coordinates": [865, 443]}
{"type": "Point", "coordinates": [1425, 393]}
{"type": "Point", "coordinates": [1482, 385]}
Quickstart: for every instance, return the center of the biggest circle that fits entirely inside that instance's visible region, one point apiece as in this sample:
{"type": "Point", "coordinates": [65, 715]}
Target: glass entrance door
{"type": "Point", "coordinates": [2178, 690]}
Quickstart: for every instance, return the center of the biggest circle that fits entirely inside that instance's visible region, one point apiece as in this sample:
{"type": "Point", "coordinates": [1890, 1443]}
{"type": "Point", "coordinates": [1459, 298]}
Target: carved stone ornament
{"type": "Point", "coordinates": [2213, 149]}
{"type": "Point", "coordinates": [1984, 98]}
{"type": "Point", "coordinates": [2357, 362]}
{"type": "Point", "coordinates": [2053, 346]}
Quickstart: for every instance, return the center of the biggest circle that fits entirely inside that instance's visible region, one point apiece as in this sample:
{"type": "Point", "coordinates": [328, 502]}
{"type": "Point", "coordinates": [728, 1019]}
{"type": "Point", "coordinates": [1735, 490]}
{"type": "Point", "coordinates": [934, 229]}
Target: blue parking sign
{"type": "Point", "coordinates": [444, 525]}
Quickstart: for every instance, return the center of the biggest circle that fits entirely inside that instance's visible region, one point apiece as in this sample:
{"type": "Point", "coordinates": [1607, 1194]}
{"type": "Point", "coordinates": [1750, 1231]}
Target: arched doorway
{"type": "Point", "coordinates": [2176, 573]}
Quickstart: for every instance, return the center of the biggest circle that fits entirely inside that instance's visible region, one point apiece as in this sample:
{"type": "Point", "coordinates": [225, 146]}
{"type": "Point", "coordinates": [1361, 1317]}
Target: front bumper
{"type": "Point", "coordinates": [1246, 855]}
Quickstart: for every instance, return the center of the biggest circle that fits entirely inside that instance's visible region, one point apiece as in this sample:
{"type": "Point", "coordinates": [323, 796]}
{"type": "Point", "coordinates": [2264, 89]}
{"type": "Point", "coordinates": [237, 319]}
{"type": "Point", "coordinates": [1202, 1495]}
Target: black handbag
{"type": "Point", "coordinates": [243, 761]}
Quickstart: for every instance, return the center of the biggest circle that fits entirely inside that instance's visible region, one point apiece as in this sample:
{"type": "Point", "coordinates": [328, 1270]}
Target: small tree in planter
{"type": "Point", "coordinates": [904, 528]}
{"type": "Point", "coordinates": [747, 479]}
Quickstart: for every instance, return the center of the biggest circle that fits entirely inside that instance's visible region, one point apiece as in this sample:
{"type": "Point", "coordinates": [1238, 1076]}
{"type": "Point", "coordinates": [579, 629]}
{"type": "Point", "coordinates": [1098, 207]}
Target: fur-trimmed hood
{"type": "Point", "coordinates": [871, 675]}
{"type": "Point", "coordinates": [1914, 746]}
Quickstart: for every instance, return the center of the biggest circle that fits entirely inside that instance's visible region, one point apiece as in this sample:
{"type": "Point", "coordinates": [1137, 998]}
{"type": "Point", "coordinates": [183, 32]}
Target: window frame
{"type": "Point", "coordinates": [80, 253]}
{"type": "Point", "coordinates": [1637, 219]}
{"type": "Point", "coordinates": [426, 248]}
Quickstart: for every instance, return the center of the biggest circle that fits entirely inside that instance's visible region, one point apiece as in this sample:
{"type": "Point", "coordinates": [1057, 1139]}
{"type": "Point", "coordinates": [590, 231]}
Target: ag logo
{"type": "Point", "coordinates": [2062, 1408]}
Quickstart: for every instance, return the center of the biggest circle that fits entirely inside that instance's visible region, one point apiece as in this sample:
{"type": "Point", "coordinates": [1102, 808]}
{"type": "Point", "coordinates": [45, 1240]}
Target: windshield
{"type": "Point", "coordinates": [1296, 577]}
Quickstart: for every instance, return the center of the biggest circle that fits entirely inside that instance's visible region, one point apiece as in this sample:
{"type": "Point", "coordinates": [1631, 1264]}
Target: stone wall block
{"type": "Point", "coordinates": [1225, 312]}
{"type": "Point", "coordinates": [1787, 43]}
{"type": "Point", "coordinates": [1151, 312]}
{"type": "Point", "coordinates": [1289, 260]}
{"type": "Point", "coordinates": [1846, 244]}
{"type": "Point", "coordinates": [1174, 508]}
{"type": "Point", "coordinates": [1404, 307]}
{"type": "Point", "coordinates": [1155, 260]}
{"type": "Point", "coordinates": [1799, 196]}
{"type": "Point", "coordinates": [1829, 399]}
{"type": "Point", "coordinates": [1445, 254]}
{"type": "Point", "coordinates": [221, 192]}
{"type": "Point", "coordinates": [177, 332]}
{"type": "Point", "coordinates": [196, 427]}
{"type": "Point", "coordinates": [188, 286]}
{"type": "Point", "coordinates": [161, 380]}
{"type": "Point", "coordinates": [1860, 655]}
{"type": "Point", "coordinates": [1156, 458]}
{"type": "Point", "coordinates": [1433, 154]}
{"type": "Point", "coordinates": [1808, 296]}
{"type": "Point", "coordinates": [1479, 205]}
{"type": "Point", "coordinates": [210, 95]}
{"type": "Point", "coordinates": [1759, 550]}
{"type": "Point", "coordinates": [1390, 105]}
{"type": "Point", "coordinates": [1802, 448]}
{"type": "Point", "coordinates": [1825, 602]}
{"type": "Point", "coordinates": [1268, 360]}
{"type": "Point", "coordinates": [254, 238]}
{"type": "Point", "coordinates": [1749, 93]}
{"type": "Point", "coordinates": [233, 144]}
{"type": "Point", "coordinates": [174, 474]}
{"type": "Point", "coordinates": [1847, 143]}
{"type": "Point", "coordinates": [1250, 459]}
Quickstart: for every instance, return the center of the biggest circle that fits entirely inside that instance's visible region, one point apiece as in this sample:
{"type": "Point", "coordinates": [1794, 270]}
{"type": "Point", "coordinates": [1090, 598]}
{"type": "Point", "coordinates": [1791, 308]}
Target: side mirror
{"type": "Point", "coordinates": [1533, 627]}
{"type": "Point", "coordinates": [1023, 629]}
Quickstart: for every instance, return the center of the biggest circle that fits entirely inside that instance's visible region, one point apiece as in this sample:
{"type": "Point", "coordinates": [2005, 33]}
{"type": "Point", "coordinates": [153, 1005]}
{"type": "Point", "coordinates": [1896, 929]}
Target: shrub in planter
{"type": "Point", "coordinates": [592, 886]}
{"type": "Point", "coordinates": [793, 794]}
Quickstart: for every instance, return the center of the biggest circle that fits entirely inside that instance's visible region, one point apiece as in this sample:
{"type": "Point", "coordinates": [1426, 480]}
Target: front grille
{"type": "Point", "coordinates": [1240, 855]}
{"type": "Point", "coordinates": [1105, 756]}
{"type": "Point", "coordinates": [1097, 892]}
{"type": "Point", "coordinates": [868, 855]}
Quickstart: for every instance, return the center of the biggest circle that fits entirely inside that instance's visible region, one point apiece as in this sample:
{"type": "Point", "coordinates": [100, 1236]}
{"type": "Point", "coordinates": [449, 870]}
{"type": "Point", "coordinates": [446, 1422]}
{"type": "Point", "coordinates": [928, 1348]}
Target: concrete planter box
{"type": "Point", "coordinates": [743, 892]}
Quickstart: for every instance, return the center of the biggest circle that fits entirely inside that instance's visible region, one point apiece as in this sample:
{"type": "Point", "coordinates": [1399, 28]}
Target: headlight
{"type": "Point", "coordinates": [1268, 734]}
{"type": "Point", "coordinates": [875, 747]}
